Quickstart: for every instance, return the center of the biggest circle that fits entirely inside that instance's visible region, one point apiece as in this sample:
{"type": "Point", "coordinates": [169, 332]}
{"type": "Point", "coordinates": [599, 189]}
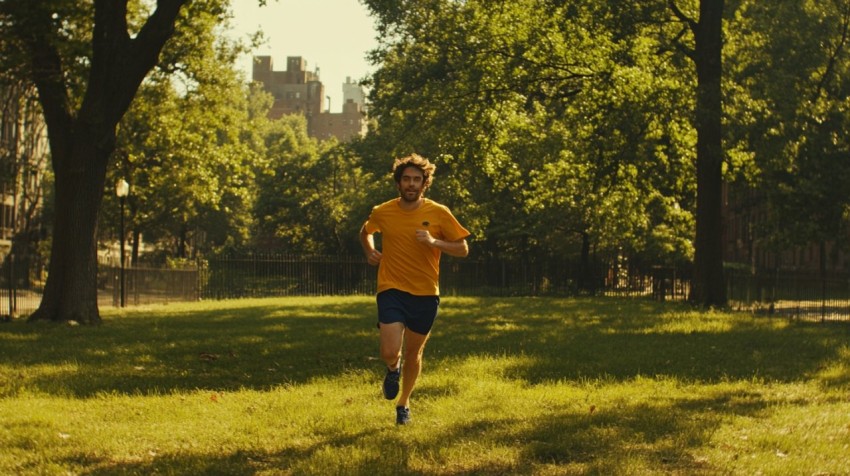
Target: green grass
{"type": "Point", "coordinates": [510, 386]}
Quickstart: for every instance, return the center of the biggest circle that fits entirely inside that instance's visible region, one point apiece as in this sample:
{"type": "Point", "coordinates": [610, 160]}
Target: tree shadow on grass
{"type": "Point", "coordinates": [241, 462]}
{"type": "Point", "coordinates": [255, 347]}
{"type": "Point", "coordinates": [574, 339]}
{"type": "Point", "coordinates": [293, 341]}
{"type": "Point", "coordinates": [663, 436]}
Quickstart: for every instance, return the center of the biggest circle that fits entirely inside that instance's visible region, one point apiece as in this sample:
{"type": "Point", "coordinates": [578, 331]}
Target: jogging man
{"type": "Point", "coordinates": [414, 232]}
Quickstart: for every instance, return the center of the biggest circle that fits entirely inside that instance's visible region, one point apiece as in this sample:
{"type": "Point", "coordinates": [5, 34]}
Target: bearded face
{"type": "Point", "coordinates": [411, 184]}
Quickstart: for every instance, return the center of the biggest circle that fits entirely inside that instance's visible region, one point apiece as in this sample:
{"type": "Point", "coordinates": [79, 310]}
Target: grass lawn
{"type": "Point", "coordinates": [510, 386]}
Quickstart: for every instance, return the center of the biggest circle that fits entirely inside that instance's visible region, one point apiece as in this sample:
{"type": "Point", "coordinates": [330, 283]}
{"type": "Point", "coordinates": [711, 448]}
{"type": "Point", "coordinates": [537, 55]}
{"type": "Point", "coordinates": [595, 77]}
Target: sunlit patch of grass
{"type": "Point", "coordinates": [510, 386]}
{"type": "Point", "coordinates": [834, 374]}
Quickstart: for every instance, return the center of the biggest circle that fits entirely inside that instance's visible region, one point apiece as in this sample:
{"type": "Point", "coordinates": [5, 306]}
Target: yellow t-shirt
{"type": "Point", "coordinates": [408, 265]}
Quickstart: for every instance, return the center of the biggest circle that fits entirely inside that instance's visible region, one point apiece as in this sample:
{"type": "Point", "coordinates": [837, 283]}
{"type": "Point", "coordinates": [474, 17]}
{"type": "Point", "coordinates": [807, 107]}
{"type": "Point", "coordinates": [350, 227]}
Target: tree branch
{"type": "Point", "coordinates": [833, 57]}
{"type": "Point", "coordinates": [690, 24]}
{"type": "Point", "coordinates": [681, 15]}
{"type": "Point", "coordinates": [119, 63]}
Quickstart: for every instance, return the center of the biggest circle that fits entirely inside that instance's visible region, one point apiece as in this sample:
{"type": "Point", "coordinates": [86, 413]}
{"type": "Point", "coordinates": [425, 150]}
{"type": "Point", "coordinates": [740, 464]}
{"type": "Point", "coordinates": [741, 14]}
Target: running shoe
{"type": "Point", "coordinates": [402, 415]}
{"type": "Point", "coordinates": [391, 383]}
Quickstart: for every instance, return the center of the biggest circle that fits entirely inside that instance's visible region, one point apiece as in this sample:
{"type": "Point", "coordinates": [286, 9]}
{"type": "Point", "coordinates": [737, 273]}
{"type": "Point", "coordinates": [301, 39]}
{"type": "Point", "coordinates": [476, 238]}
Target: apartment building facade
{"type": "Point", "coordinates": [23, 161]}
{"type": "Point", "coordinates": [299, 91]}
{"type": "Point", "coordinates": [744, 215]}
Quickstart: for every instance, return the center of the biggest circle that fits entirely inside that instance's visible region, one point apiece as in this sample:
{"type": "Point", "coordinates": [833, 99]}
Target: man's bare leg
{"type": "Point", "coordinates": [414, 345]}
{"type": "Point", "coordinates": [392, 336]}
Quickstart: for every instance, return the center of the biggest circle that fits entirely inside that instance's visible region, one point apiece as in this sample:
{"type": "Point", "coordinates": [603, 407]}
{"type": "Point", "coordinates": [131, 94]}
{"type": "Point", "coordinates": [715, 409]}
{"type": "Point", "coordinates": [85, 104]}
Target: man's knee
{"type": "Point", "coordinates": [390, 356]}
{"type": "Point", "coordinates": [414, 355]}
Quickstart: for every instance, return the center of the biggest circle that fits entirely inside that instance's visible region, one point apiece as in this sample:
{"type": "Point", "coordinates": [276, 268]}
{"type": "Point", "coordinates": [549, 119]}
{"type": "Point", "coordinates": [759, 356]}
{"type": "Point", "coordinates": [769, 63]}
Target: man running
{"type": "Point", "coordinates": [415, 231]}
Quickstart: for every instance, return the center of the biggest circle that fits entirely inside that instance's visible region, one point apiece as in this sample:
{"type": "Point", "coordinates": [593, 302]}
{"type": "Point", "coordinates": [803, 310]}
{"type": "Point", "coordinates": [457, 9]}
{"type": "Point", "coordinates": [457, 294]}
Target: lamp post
{"type": "Point", "coordinates": [122, 189]}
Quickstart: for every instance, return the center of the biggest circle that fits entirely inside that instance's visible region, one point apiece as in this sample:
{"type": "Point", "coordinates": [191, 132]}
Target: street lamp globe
{"type": "Point", "coordinates": [122, 188]}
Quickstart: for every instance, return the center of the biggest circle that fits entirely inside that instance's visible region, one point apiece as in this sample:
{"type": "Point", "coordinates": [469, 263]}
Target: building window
{"type": "Point", "coordinates": [6, 221]}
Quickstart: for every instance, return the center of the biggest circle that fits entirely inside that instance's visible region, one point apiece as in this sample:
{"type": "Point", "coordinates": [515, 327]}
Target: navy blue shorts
{"type": "Point", "coordinates": [417, 313]}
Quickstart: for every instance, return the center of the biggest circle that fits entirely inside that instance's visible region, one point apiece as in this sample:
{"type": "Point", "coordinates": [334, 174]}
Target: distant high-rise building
{"type": "Point", "coordinates": [298, 91]}
{"type": "Point", "coordinates": [352, 91]}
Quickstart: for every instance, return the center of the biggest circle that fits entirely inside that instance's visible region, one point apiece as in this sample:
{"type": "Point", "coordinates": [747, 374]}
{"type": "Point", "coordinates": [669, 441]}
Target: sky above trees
{"type": "Point", "coordinates": [333, 35]}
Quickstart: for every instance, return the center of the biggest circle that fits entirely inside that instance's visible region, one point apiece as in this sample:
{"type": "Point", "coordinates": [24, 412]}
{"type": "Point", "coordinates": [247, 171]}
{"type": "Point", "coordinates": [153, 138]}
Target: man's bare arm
{"type": "Point", "coordinates": [457, 248]}
{"type": "Point", "coordinates": [367, 241]}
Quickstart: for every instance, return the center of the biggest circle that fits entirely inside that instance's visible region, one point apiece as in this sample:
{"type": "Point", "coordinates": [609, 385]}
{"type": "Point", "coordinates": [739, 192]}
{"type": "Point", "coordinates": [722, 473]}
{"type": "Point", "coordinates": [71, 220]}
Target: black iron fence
{"type": "Point", "coordinates": [147, 285]}
{"type": "Point", "coordinates": [266, 275]}
{"type": "Point", "coordinates": [794, 294]}
{"type": "Point", "coordinates": [20, 290]}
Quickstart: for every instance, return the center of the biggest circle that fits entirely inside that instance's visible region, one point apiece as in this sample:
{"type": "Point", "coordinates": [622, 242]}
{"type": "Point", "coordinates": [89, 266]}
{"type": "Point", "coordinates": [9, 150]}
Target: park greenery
{"type": "Point", "coordinates": [510, 386]}
{"type": "Point", "coordinates": [585, 129]}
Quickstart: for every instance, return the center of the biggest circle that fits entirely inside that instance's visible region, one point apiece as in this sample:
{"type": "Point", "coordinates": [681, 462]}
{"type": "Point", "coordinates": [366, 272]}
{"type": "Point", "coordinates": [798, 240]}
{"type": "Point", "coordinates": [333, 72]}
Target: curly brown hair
{"type": "Point", "coordinates": [414, 160]}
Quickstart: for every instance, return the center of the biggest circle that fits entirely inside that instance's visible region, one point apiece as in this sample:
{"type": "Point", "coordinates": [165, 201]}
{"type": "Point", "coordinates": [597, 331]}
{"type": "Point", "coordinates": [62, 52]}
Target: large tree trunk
{"type": "Point", "coordinates": [709, 286]}
{"type": "Point", "coordinates": [71, 289]}
{"type": "Point", "coordinates": [82, 141]}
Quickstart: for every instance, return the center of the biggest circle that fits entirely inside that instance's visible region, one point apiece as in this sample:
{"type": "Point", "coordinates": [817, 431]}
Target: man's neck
{"type": "Point", "coordinates": [406, 205]}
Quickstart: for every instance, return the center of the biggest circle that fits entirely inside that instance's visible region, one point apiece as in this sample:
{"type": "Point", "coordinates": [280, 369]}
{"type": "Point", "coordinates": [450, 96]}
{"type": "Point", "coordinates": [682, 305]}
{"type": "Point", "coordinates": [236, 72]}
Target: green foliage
{"type": "Point", "coordinates": [551, 121]}
{"type": "Point", "coordinates": [788, 78]}
{"type": "Point", "coordinates": [210, 172]}
{"type": "Point", "coordinates": [554, 125]}
{"type": "Point", "coordinates": [190, 170]}
{"type": "Point", "coordinates": [191, 142]}
{"type": "Point", "coordinates": [307, 193]}
{"type": "Point", "coordinates": [69, 26]}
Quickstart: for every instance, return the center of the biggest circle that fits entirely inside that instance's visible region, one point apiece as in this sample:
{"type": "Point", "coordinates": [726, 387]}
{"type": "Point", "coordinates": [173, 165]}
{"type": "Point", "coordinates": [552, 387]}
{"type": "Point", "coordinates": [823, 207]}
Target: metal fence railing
{"type": "Point", "coordinates": [797, 294]}
{"type": "Point", "coordinates": [265, 275]}
{"type": "Point", "coordinates": [146, 285]}
{"type": "Point", "coordinates": [793, 294]}
{"type": "Point", "coordinates": [20, 293]}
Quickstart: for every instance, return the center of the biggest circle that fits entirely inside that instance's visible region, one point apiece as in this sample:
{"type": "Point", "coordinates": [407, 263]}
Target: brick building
{"type": "Point", "coordinates": [298, 91]}
{"type": "Point", "coordinates": [23, 162]}
{"type": "Point", "coordinates": [744, 214]}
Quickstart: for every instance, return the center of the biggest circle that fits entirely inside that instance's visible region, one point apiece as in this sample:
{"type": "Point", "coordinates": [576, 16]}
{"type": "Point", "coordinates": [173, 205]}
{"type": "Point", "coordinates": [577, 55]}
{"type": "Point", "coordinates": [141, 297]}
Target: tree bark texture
{"type": "Point", "coordinates": [709, 287]}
